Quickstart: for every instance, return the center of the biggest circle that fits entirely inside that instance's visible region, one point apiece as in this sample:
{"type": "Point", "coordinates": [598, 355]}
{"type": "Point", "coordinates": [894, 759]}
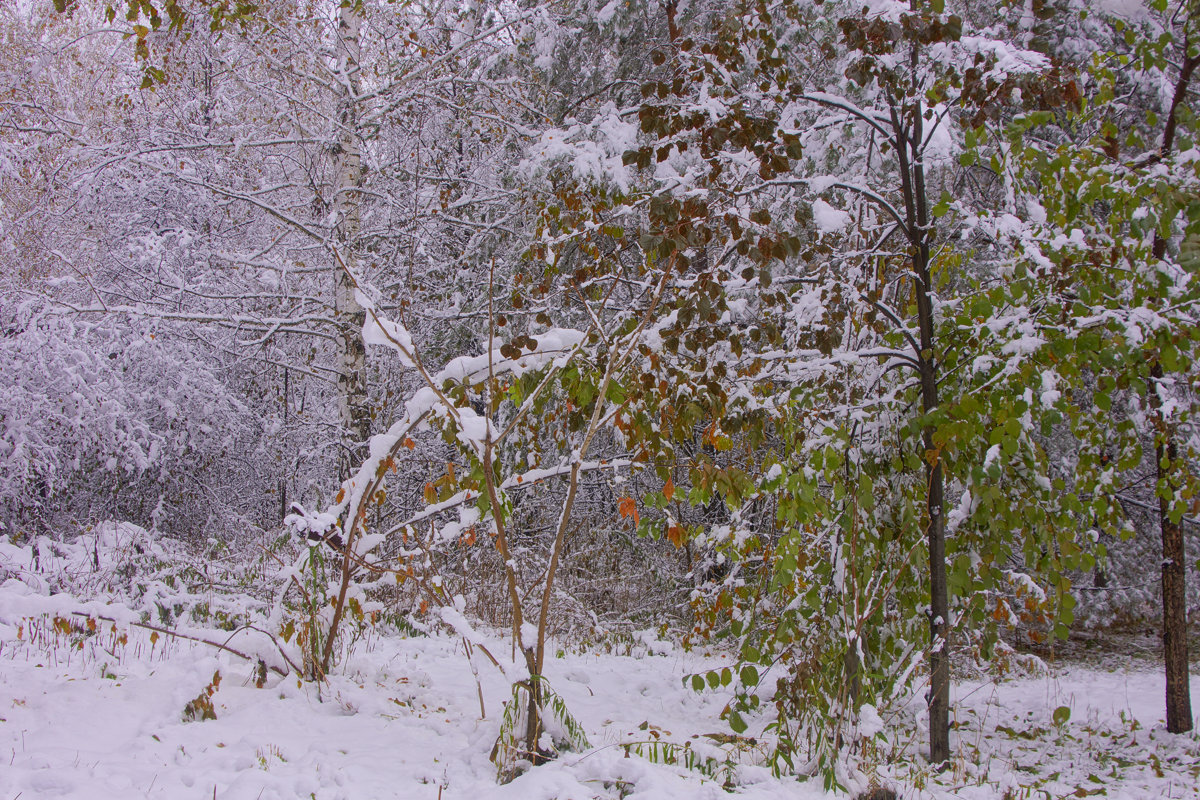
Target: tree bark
{"type": "Point", "coordinates": [353, 404]}
{"type": "Point", "coordinates": [1174, 584]}
{"type": "Point", "coordinates": [1174, 565]}
{"type": "Point", "coordinates": [917, 218]}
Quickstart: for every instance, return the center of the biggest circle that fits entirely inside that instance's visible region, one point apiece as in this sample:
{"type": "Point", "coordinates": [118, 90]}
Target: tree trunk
{"type": "Point", "coordinates": [1174, 565]}
{"type": "Point", "coordinates": [918, 229]}
{"type": "Point", "coordinates": [939, 601]}
{"type": "Point", "coordinates": [353, 405]}
{"type": "Point", "coordinates": [939, 611]}
{"type": "Point", "coordinates": [1174, 582]}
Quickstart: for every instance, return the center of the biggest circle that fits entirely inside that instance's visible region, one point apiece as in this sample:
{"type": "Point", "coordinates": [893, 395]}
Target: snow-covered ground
{"type": "Point", "coordinates": [94, 709]}
{"type": "Point", "coordinates": [403, 720]}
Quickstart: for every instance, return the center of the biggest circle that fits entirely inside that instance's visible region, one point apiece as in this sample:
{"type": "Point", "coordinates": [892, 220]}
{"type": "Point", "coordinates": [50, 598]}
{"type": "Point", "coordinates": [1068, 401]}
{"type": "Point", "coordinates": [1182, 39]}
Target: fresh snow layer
{"type": "Point", "coordinates": [402, 720]}
{"type": "Point", "coordinates": [827, 218]}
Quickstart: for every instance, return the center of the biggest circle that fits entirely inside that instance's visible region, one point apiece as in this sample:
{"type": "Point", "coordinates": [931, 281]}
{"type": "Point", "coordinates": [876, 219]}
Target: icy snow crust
{"type": "Point", "coordinates": [99, 715]}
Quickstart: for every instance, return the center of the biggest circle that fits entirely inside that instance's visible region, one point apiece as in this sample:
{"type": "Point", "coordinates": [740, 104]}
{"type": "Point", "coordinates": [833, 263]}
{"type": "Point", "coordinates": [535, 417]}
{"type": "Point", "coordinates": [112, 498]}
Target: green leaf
{"type": "Point", "coordinates": [737, 723]}
{"type": "Point", "coordinates": [1062, 715]}
{"type": "Point", "coordinates": [749, 675]}
{"type": "Point", "coordinates": [1169, 357]}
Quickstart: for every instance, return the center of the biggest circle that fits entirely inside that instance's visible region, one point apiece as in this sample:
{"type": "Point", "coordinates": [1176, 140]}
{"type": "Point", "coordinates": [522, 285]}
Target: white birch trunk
{"type": "Point", "coordinates": [353, 406]}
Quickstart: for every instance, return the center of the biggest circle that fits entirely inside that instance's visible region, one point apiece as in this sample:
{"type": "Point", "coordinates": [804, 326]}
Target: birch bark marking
{"type": "Point", "coordinates": [353, 408]}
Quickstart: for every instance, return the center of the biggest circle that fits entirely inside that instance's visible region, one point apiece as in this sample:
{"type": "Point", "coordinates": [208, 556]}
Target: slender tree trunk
{"type": "Point", "coordinates": [939, 601]}
{"type": "Point", "coordinates": [1174, 564]}
{"type": "Point", "coordinates": [917, 218]}
{"type": "Point", "coordinates": [1174, 584]}
{"type": "Point", "coordinates": [353, 406]}
{"type": "Point", "coordinates": [349, 315]}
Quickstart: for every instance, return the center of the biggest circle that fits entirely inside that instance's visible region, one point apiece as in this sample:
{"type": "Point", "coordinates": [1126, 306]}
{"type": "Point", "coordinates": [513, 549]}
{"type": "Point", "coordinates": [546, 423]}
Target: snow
{"type": "Point", "coordinates": [1132, 10]}
{"type": "Point", "coordinates": [1050, 393]}
{"type": "Point", "coordinates": [827, 218]}
{"type": "Point", "coordinates": [402, 720]}
{"type": "Point", "coordinates": [473, 429]}
{"type": "Point", "coordinates": [940, 145]}
{"type": "Point", "coordinates": [869, 722]}
{"type": "Point", "coordinates": [380, 331]}
{"type": "Point", "coordinates": [594, 150]}
{"type": "Point", "coordinates": [467, 517]}
{"type": "Point", "coordinates": [100, 715]}
{"type": "Point", "coordinates": [608, 11]}
{"type": "Point", "coordinates": [1009, 59]}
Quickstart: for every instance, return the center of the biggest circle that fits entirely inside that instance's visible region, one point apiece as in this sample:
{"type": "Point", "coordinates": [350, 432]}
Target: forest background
{"type": "Point", "coordinates": [857, 337]}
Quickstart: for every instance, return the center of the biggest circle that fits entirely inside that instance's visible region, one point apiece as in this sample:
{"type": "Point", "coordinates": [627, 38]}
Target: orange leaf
{"type": "Point", "coordinates": [409, 443]}
{"type": "Point", "coordinates": [627, 507]}
{"type": "Point", "coordinates": [676, 535]}
{"type": "Point", "coordinates": [341, 495]}
{"type": "Point", "coordinates": [669, 489]}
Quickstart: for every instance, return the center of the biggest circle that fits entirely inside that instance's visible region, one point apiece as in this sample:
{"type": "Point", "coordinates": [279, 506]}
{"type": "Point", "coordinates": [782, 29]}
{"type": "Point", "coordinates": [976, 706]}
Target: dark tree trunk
{"type": "Point", "coordinates": [1174, 583]}
{"type": "Point", "coordinates": [909, 139]}
{"type": "Point", "coordinates": [1174, 565]}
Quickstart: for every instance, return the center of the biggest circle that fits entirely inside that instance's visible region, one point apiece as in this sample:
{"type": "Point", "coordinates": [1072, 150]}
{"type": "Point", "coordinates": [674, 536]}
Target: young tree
{"type": "Point", "coordinates": [1119, 221]}
{"type": "Point", "coordinates": [843, 217]}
